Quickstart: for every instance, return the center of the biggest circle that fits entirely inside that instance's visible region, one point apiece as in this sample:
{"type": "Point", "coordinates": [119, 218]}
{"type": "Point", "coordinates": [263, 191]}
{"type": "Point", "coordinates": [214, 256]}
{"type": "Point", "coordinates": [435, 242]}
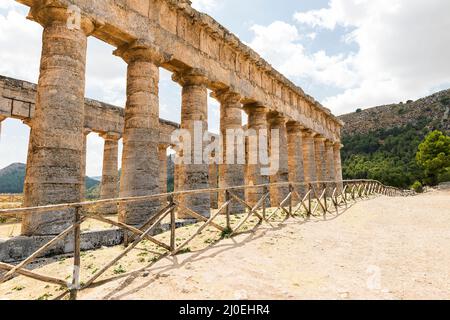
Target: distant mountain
{"type": "Point", "coordinates": [381, 142]}
{"type": "Point", "coordinates": [13, 176]}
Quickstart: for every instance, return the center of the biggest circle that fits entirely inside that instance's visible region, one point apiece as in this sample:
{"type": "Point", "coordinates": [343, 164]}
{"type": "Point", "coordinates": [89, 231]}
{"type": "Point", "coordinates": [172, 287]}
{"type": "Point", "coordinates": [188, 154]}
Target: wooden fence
{"type": "Point", "coordinates": [303, 200]}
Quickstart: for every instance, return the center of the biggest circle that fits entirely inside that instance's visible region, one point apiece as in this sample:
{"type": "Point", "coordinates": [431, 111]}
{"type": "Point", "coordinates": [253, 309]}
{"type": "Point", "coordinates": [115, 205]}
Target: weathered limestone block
{"type": "Point", "coordinates": [295, 157]}
{"type": "Point", "coordinates": [309, 160]}
{"type": "Point", "coordinates": [321, 158]}
{"type": "Point", "coordinates": [110, 172]}
{"type": "Point", "coordinates": [278, 194]}
{"type": "Point", "coordinates": [257, 137]}
{"type": "Point", "coordinates": [232, 169]}
{"type": "Point", "coordinates": [194, 112]}
{"type": "Point", "coordinates": [56, 140]}
{"type": "Point", "coordinates": [162, 154]}
{"type": "Point", "coordinates": [140, 160]}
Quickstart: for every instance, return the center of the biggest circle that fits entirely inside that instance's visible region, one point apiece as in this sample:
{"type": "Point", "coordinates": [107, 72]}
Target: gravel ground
{"type": "Point", "coordinates": [384, 248]}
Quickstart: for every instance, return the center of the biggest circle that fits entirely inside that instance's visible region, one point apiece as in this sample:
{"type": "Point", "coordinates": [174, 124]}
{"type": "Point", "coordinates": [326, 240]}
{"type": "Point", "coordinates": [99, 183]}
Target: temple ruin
{"type": "Point", "coordinates": [202, 55]}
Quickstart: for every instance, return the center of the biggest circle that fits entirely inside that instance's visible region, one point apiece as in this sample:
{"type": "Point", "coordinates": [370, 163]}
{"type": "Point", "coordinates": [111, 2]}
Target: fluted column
{"type": "Point", "coordinates": [309, 160]}
{"type": "Point", "coordinates": [140, 160]}
{"type": "Point", "coordinates": [232, 167]}
{"type": "Point", "coordinates": [110, 172]}
{"type": "Point", "coordinates": [162, 152]}
{"type": "Point", "coordinates": [278, 154]}
{"type": "Point", "coordinates": [321, 158]}
{"type": "Point", "coordinates": [257, 136]}
{"type": "Point", "coordinates": [86, 132]}
{"type": "Point", "coordinates": [56, 141]}
{"type": "Point", "coordinates": [295, 157]}
{"type": "Point", "coordinates": [194, 119]}
{"type": "Point", "coordinates": [338, 164]}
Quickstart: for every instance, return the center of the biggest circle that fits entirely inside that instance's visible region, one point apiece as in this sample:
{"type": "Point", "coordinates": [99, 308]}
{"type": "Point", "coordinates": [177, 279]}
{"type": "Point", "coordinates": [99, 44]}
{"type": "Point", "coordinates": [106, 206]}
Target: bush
{"type": "Point", "coordinates": [417, 187]}
{"type": "Point", "coordinates": [358, 110]}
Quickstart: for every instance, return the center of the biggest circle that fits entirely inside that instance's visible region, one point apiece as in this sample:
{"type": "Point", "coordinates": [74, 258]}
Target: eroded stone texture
{"type": "Point", "coordinates": [162, 154]}
{"type": "Point", "coordinates": [309, 160]}
{"type": "Point", "coordinates": [320, 157]}
{"type": "Point", "coordinates": [330, 165]}
{"type": "Point", "coordinates": [110, 171]}
{"type": "Point", "coordinates": [140, 160]}
{"type": "Point", "coordinates": [257, 133]}
{"type": "Point", "coordinates": [277, 194]}
{"type": "Point", "coordinates": [295, 157]}
{"type": "Point", "coordinates": [232, 169]}
{"type": "Point", "coordinates": [194, 111]}
{"type": "Point", "coordinates": [56, 140]}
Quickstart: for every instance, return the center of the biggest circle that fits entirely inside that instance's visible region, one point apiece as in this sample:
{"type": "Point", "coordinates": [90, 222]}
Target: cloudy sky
{"type": "Point", "coordinates": [348, 54]}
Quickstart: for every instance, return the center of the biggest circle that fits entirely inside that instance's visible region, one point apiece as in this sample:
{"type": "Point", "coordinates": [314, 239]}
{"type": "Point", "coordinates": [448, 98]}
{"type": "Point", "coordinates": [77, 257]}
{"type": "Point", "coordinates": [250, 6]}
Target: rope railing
{"type": "Point", "coordinates": [301, 200]}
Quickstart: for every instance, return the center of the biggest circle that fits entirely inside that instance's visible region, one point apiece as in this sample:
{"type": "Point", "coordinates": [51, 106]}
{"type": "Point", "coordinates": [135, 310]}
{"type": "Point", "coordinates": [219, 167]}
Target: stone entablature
{"type": "Point", "coordinates": [17, 100]}
{"type": "Point", "coordinates": [190, 39]}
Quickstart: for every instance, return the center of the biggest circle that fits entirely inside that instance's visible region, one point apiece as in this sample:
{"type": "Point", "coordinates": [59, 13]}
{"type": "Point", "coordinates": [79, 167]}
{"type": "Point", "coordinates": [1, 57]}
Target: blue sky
{"type": "Point", "coordinates": [348, 54]}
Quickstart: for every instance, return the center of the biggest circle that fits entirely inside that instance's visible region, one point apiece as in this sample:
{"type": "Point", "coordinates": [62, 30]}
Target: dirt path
{"type": "Point", "coordinates": [385, 248]}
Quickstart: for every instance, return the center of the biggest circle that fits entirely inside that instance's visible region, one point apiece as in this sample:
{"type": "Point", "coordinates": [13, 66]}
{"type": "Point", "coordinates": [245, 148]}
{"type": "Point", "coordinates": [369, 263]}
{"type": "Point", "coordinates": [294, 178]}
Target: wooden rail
{"type": "Point", "coordinates": [318, 199]}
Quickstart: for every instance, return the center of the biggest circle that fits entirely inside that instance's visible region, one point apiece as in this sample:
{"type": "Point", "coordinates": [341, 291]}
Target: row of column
{"type": "Point", "coordinates": [55, 170]}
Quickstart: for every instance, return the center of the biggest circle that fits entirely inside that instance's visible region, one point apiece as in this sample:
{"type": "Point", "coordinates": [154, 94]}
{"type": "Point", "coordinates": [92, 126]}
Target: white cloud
{"type": "Point", "coordinates": [205, 5]}
{"type": "Point", "coordinates": [20, 45]}
{"type": "Point", "coordinates": [404, 47]}
{"type": "Point", "coordinates": [280, 44]}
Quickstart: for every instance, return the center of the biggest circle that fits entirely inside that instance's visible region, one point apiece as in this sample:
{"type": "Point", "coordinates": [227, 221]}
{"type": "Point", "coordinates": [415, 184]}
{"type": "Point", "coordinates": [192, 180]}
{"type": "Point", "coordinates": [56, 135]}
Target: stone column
{"type": "Point", "coordinates": [330, 172]}
{"type": "Point", "coordinates": [309, 160]}
{"type": "Point", "coordinates": [280, 154]}
{"type": "Point", "coordinates": [110, 171]}
{"type": "Point", "coordinates": [213, 181]}
{"type": "Point", "coordinates": [140, 159]}
{"type": "Point", "coordinates": [321, 158]}
{"type": "Point", "coordinates": [295, 157]}
{"type": "Point", "coordinates": [257, 129]}
{"type": "Point", "coordinates": [162, 152]}
{"type": "Point", "coordinates": [56, 140]}
{"type": "Point", "coordinates": [86, 132]}
{"type": "Point", "coordinates": [338, 164]}
{"type": "Point", "coordinates": [232, 168]}
{"type": "Point", "coordinates": [194, 119]}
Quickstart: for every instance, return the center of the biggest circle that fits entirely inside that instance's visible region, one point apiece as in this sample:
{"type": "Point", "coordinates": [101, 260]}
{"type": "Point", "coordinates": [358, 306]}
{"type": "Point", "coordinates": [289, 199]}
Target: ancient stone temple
{"type": "Point", "coordinates": [202, 55]}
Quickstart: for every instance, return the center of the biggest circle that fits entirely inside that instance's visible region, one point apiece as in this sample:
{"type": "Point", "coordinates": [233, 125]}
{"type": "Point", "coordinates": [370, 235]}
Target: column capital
{"type": "Point", "coordinates": [255, 107]}
{"type": "Point", "coordinates": [226, 96]}
{"type": "Point", "coordinates": [191, 77]}
{"type": "Point", "coordinates": [276, 119]}
{"type": "Point", "coordinates": [338, 145]}
{"type": "Point", "coordinates": [320, 138]}
{"type": "Point", "coordinates": [48, 13]}
{"type": "Point", "coordinates": [294, 126]}
{"type": "Point", "coordinates": [2, 118]}
{"type": "Point", "coordinates": [142, 50]}
{"type": "Point", "coordinates": [329, 143]}
{"type": "Point", "coordinates": [111, 136]}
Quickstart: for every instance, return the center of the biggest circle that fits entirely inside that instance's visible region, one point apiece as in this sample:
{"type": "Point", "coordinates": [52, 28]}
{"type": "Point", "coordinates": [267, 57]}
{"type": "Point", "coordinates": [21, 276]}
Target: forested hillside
{"type": "Point", "coordinates": [381, 143]}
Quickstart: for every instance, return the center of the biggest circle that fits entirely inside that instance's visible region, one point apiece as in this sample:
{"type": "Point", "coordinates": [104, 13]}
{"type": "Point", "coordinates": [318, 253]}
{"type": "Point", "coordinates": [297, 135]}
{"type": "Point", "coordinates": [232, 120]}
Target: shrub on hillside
{"type": "Point", "coordinates": [417, 187]}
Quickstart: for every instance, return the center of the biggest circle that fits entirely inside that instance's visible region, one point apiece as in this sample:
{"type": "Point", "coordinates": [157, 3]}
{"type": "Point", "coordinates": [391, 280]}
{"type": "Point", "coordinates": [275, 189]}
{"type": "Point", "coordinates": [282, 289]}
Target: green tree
{"type": "Point", "coordinates": [434, 156]}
